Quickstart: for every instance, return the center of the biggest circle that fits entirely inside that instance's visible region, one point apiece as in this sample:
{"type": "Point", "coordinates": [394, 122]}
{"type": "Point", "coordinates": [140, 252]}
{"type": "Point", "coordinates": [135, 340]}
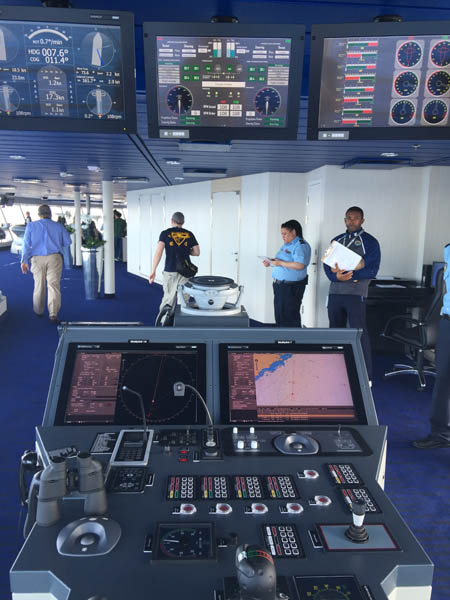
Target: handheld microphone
{"type": "Point", "coordinates": [141, 404]}
{"type": "Point", "coordinates": [178, 390]}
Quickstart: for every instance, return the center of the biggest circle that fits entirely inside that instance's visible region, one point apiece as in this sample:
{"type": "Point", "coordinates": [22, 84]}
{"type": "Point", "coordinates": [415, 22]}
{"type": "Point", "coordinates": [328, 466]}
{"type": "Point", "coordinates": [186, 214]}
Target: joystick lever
{"type": "Point", "coordinates": [356, 532]}
{"type": "Point", "coordinates": [256, 573]}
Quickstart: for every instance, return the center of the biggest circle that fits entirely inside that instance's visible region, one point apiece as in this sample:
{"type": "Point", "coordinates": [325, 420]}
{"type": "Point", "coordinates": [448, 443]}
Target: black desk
{"type": "Point", "coordinates": [390, 297]}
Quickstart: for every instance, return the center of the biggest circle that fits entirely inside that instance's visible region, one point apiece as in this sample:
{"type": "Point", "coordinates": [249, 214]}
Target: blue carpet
{"type": "Point", "coordinates": [416, 481]}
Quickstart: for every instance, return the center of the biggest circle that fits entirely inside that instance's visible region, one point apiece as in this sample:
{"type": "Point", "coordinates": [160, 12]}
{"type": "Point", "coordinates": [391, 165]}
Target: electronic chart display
{"type": "Point", "coordinates": [94, 376]}
{"type": "Point", "coordinates": [384, 84]}
{"type": "Point", "coordinates": [233, 82]}
{"type": "Point", "coordinates": [67, 75]}
{"type": "Point", "coordinates": [301, 384]}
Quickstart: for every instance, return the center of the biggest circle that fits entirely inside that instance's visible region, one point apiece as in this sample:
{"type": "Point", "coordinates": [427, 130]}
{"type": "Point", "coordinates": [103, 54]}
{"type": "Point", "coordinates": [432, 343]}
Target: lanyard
{"type": "Point", "coordinates": [353, 239]}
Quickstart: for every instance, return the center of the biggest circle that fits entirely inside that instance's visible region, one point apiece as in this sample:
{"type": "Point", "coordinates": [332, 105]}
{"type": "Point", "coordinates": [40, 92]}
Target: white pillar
{"type": "Point", "coordinates": [108, 236]}
{"type": "Point", "coordinates": [77, 203]}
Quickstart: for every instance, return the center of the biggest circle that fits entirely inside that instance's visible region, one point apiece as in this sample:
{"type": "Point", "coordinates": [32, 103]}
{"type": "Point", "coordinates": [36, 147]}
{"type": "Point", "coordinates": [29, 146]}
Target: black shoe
{"type": "Point", "coordinates": [432, 441]}
{"type": "Point", "coordinates": [54, 320]}
{"type": "Point", "coordinates": [39, 314]}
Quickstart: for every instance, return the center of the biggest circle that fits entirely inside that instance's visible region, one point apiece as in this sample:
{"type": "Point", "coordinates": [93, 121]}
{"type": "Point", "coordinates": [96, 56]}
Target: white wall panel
{"type": "Point", "coordinates": [437, 233]}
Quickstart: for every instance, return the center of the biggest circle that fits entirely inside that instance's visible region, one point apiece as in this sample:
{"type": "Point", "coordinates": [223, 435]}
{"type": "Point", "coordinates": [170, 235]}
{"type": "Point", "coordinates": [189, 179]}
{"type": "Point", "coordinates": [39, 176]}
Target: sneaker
{"type": "Point", "coordinates": [432, 441]}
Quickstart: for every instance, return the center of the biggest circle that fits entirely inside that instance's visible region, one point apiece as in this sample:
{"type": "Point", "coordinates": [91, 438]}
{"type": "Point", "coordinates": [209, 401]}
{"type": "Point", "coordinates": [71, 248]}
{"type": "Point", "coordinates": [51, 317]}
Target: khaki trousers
{"type": "Point", "coordinates": [170, 286]}
{"type": "Point", "coordinates": [47, 268]}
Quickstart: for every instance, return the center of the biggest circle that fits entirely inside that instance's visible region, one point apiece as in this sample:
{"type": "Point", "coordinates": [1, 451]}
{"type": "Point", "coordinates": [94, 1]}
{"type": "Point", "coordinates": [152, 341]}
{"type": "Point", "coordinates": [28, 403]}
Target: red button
{"type": "Point", "coordinates": [182, 459]}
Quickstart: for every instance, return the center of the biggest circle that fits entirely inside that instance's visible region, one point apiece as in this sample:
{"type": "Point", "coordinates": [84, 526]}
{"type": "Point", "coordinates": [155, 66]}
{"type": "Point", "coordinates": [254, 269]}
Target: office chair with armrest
{"type": "Point", "coordinates": [418, 335]}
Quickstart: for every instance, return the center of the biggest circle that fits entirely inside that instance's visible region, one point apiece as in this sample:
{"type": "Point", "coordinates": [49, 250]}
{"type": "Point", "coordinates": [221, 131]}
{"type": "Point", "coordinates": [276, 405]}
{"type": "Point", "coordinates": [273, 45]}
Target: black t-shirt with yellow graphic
{"type": "Point", "coordinates": [178, 241]}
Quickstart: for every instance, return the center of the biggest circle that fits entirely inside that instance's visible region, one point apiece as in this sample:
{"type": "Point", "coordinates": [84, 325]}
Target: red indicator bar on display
{"type": "Point", "coordinates": [354, 55]}
{"type": "Point", "coordinates": [349, 121]}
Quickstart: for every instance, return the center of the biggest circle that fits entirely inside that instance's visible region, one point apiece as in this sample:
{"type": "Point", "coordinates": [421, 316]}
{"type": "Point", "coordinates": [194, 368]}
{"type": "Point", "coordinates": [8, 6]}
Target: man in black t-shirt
{"type": "Point", "coordinates": [176, 241]}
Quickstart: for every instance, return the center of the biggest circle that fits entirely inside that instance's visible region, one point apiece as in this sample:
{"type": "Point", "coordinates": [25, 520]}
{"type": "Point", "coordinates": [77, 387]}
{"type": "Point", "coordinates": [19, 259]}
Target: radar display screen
{"type": "Point", "coordinates": [383, 84]}
{"type": "Point", "coordinates": [315, 384]}
{"type": "Point", "coordinates": [54, 75]}
{"type": "Point", "coordinates": [223, 81]}
{"type": "Point", "coordinates": [92, 389]}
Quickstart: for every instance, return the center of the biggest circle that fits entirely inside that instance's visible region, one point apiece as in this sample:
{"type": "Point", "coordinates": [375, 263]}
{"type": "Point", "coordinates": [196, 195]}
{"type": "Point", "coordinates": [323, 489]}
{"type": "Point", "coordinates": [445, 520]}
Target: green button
{"type": "Point", "coordinates": [261, 78]}
{"type": "Point", "coordinates": [252, 69]}
{"type": "Point", "coordinates": [251, 78]}
{"type": "Point", "coordinates": [229, 68]}
{"type": "Point", "coordinates": [208, 67]}
{"type": "Point", "coordinates": [196, 68]}
{"type": "Point", "coordinates": [186, 67]}
{"type": "Point", "coordinates": [186, 77]}
{"type": "Point", "coordinates": [262, 69]}
{"type": "Point", "coordinates": [196, 77]}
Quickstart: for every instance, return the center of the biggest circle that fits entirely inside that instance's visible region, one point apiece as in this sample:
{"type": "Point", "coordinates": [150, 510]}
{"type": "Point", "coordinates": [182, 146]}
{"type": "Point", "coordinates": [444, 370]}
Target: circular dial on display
{"type": "Point", "coordinates": [438, 83]}
{"type": "Point", "coordinates": [403, 112]}
{"type": "Point", "coordinates": [153, 377]}
{"type": "Point", "coordinates": [330, 594]}
{"type": "Point", "coordinates": [99, 102]}
{"type": "Point", "coordinates": [435, 111]}
{"type": "Point", "coordinates": [9, 99]}
{"type": "Point", "coordinates": [185, 542]}
{"type": "Point", "coordinates": [267, 101]}
{"type": "Point", "coordinates": [179, 100]}
{"type": "Point", "coordinates": [9, 45]}
{"type": "Point", "coordinates": [440, 54]}
{"type": "Point", "coordinates": [409, 54]}
{"type": "Point", "coordinates": [406, 83]}
{"type": "Point", "coordinates": [97, 49]}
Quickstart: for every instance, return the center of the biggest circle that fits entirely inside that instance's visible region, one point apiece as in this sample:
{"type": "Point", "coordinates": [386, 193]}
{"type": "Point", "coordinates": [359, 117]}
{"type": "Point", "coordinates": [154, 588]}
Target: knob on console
{"type": "Point", "coordinates": [357, 532]}
{"type": "Point", "coordinates": [256, 573]}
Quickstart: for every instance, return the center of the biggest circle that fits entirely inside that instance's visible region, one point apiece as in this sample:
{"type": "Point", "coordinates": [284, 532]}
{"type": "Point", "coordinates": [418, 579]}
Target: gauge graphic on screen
{"type": "Point", "coordinates": [438, 83]}
{"type": "Point", "coordinates": [406, 83]}
{"type": "Point", "coordinates": [179, 100]}
{"type": "Point", "coordinates": [403, 112]}
{"type": "Point", "coordinates": [9, 99]}
{"type": "Point", "coordinates": [435, 111]}
{"type": "Point", "coordinates": [440, 54]}
{"type": "Point", "coordinates": [99, 102]}
{"type": "Point", "coordinates": [153, 377]}
{"type": "Point", "coordinates": [267, 101]}
{"type": "Point", "coordinates": [97, 49]}
{"type": "Point", "coordinates": [8, 45]}
{"type": "Point", "coordinates": [409, 54]}
{"type": "Point", "coordinates": [192, 542]}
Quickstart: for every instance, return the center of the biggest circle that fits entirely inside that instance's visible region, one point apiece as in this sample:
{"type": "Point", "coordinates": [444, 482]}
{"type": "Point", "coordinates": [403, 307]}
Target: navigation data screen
{"type": "Point", "coordinates": [60, 70]}
{"type": "Point", "coordinates": [385, 81]}
{"type": "Point", "coordinates": [271, 387]}
{"type": "Point", "coordinates": [92, 391]}
{"type": "Point", "coordinates": [223, 81]}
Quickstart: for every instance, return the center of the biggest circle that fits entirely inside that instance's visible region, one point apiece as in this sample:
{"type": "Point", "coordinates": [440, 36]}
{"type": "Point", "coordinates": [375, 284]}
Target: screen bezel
{"type": "Point", "coordinates": [124, 20]}
{"type": "Point", "coordinates": [225, 134]}
{"type": "Point", "coordinates": [318, 35]}
{"type": "Point", "coordinates": [69, 365]}
{"type": "Point", "coordinates": [355, 388]}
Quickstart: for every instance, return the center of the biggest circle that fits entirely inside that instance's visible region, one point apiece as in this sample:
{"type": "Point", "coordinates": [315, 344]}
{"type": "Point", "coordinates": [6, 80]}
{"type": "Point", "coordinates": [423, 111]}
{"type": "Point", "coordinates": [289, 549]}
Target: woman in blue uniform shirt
{"type": "Point", "coordinates": [289, 274]}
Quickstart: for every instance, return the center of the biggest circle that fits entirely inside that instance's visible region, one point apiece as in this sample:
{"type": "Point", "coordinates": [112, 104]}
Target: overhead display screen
{"type": "Point", "coordinates": [383, 83]}
{"type": "Point", "coordinates": [224, 82]}
{"type": "Point", "coordinates": [63, 75]}
{"type": "Point", "coordinates": [309, 384]}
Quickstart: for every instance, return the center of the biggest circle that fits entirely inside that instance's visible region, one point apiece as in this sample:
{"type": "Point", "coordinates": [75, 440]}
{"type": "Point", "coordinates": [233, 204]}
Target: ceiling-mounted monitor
{"type": "Point", "coordinates": [67, 70]}
{"type": "Point", "coordinates": [223, 81]}
{"type": "Point", "coordinates": [380, 81]}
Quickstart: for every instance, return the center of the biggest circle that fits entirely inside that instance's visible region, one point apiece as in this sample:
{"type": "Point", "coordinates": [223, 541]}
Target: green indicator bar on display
{"type": "Point", "coordinates": [357, 43]}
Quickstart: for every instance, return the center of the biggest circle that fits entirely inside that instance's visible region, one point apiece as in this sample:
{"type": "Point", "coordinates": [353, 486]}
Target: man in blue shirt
{"type": "Point", "coordinates": [289, 274]}
{"type": "Point", "coordinates": [43, 245]}
{"type": "Point", "coordinates": [348, 289]}
{"type": "Point", "coordinates": [440, 404]}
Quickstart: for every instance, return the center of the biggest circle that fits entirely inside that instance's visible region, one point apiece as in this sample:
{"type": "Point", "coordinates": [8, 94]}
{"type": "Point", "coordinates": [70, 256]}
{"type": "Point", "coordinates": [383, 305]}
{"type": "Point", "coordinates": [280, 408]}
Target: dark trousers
{"type": "Point", "coordinates": [343, 309]}
{"type": "Point", "coordinates": [440, 404]}
{"type": "Point", "coordinates": [118, 248]}
{"type": "Point", "coordinates": [287, 299]}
